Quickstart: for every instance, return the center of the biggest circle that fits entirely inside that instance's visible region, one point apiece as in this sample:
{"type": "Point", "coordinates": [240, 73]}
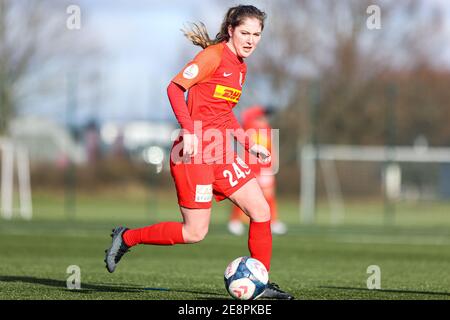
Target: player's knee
{"type": "Point", "coordinates": [194, 235]}
{"type": "Point", "coordinates": [260, 212]}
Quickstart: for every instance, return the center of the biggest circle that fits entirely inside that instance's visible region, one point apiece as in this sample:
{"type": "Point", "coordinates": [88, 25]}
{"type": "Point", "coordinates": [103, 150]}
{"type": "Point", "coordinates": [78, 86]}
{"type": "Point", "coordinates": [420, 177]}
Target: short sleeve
{"type": "Point", "coordinates": [203, 66]}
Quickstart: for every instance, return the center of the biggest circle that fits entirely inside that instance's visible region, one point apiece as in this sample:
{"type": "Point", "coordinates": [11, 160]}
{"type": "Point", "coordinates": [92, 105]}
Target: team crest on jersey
{"type": "Point", "coordinates": [227, 93]}
{"type": "Point", "coordinates": [190, 72]}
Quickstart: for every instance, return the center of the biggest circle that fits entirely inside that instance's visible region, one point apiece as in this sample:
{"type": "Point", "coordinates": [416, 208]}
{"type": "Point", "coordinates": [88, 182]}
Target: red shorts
{"type": "Point", "coordinates": [197, 183]}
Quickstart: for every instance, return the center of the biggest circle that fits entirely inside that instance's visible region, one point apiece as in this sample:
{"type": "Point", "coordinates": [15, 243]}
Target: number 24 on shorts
{"type": "Point", "coordinates": [238, 172]}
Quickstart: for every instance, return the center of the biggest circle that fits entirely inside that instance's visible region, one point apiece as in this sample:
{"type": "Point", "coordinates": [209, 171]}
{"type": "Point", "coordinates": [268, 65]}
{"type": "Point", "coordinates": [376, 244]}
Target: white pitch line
{"type": "Point", "coordinates": [393, 240]}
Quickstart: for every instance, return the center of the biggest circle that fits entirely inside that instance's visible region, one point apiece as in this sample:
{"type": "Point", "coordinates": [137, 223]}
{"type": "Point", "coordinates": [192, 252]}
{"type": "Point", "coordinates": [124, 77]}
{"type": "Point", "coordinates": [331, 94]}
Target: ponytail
{"type": "Point", "coordinates": [198, 35]}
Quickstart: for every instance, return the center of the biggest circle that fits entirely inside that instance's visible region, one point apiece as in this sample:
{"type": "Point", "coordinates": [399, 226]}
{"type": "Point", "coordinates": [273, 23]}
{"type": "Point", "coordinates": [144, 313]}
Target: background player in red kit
{"type": "Point", "coordinates": [255, 120]}
{"type": "Point", "coordinates": [203, 163]}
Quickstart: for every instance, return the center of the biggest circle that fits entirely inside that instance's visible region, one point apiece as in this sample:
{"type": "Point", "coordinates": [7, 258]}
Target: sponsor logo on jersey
{"type": "Point", "coordinates": [227, 93]}
{"type": "Point", "coordinates": [190, 72]}
{"type": "Point", "coordinates": [203, 193]}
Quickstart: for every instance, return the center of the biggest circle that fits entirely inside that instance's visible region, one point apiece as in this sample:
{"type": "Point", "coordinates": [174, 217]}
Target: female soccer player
{"type": "Point", "coordinates": [202, 162]}
{"type": "Point", "coordinates": [255, 119]}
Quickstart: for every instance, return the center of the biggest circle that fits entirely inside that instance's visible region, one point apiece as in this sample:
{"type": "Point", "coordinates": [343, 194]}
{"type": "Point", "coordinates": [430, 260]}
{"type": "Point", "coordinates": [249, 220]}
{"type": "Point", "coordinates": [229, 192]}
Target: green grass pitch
{"type": "Point", "coordinates": [312, 262]}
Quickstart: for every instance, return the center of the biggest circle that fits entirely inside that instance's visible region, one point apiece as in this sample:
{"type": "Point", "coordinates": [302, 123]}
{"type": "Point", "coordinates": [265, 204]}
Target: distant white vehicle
{"type": "Point", "coordinates": [138, 134]}
{"type": "Point", "coordinates": [46, 140]}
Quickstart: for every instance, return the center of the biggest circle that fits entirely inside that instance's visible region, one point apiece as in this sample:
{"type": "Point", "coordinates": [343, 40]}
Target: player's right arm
{"type": "Point", "coordinates": [180, 109]}
{"type": "Point", "coordinates": [199, 69]}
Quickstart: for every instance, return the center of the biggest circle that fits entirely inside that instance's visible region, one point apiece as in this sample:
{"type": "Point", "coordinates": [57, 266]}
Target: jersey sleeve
{"type": "Point", "coordinates": [202, 67]}
{"type": "Point", "coordinates": [179, 107]}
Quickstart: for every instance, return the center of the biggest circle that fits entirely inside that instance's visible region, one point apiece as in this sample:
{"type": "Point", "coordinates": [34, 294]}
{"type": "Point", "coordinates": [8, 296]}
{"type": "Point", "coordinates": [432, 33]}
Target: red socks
{"type": "Point", "coordinates": [164, 233]}
{"type": "Point", "coordinates": [260, 242]}
{"type": "Point", "coordinates": [170, 233]}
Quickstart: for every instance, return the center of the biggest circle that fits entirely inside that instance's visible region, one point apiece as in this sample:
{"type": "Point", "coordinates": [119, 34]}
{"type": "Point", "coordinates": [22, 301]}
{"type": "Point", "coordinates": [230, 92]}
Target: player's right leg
{"type": "Point", "coordinates": [192, 230]}
{"type": "Point", "coordinates": [117, 249]}
{"type": "Point", "coordinates": [194, 190]}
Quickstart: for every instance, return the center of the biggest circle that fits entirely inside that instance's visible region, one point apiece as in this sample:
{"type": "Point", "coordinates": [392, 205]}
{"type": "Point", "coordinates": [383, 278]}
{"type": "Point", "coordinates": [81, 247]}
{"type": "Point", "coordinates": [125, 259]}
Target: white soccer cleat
{"type": "Point", "coordinates": [278, 227]}
{"type": "Point", "coordinates": [236, 227]}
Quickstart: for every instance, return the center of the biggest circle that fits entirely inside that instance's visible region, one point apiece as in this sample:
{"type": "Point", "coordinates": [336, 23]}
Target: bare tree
{"type": "Point", "coordinates": [329, 73]}
{"type": "Point", "coordinates": [33, 33]}
{"type": "Point", "coordinates": [328, 41]}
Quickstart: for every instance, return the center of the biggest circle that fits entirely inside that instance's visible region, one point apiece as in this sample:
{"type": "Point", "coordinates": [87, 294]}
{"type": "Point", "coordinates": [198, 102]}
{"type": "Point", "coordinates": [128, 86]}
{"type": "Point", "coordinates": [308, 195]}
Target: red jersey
{"type": "Point", "coordinates": [263, 137]}
{"type": "Point", "coordinates": [214, 79]}
{"type": "Point", "coordinates": [261, 133]}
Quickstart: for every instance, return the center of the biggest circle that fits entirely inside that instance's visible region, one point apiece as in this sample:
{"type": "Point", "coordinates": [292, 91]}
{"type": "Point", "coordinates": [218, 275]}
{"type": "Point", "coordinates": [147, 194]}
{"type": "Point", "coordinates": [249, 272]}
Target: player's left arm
{"type": "Point", "coordinates": [240, 135]}
{"type": "Point", "coordinates": [258, 150]}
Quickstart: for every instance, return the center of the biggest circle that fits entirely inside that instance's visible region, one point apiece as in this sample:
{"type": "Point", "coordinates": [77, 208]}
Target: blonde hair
{"type": "Point", "coordinates": [198, 34]}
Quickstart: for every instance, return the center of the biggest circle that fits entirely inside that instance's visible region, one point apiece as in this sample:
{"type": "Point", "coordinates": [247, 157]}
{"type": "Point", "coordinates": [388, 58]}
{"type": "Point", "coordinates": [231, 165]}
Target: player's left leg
{"type": "Point", "coordinates": [237, 182]}
{"type": "Point", "coordinates": [251, 200]}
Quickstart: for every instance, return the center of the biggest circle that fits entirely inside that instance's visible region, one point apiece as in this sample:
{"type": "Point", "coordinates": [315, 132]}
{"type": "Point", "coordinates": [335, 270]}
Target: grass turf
{"type": "Point", "coordinates": [311, 262]}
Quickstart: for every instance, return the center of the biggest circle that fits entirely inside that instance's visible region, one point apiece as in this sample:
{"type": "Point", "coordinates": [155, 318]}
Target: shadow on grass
{"type": "Point", "coordinates": [85, 287]}
{"type": "Point", "coordinates": [389, 290]}
{"type": "Point", "coordinates": [187, 291]}
{"type": "Point", "coordinates": [91, 288]}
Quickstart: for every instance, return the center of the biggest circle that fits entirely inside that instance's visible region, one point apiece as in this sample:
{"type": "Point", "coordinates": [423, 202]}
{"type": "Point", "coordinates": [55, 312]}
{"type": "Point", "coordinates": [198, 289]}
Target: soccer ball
{"type": "Point", "coordinates": [246, 278]}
